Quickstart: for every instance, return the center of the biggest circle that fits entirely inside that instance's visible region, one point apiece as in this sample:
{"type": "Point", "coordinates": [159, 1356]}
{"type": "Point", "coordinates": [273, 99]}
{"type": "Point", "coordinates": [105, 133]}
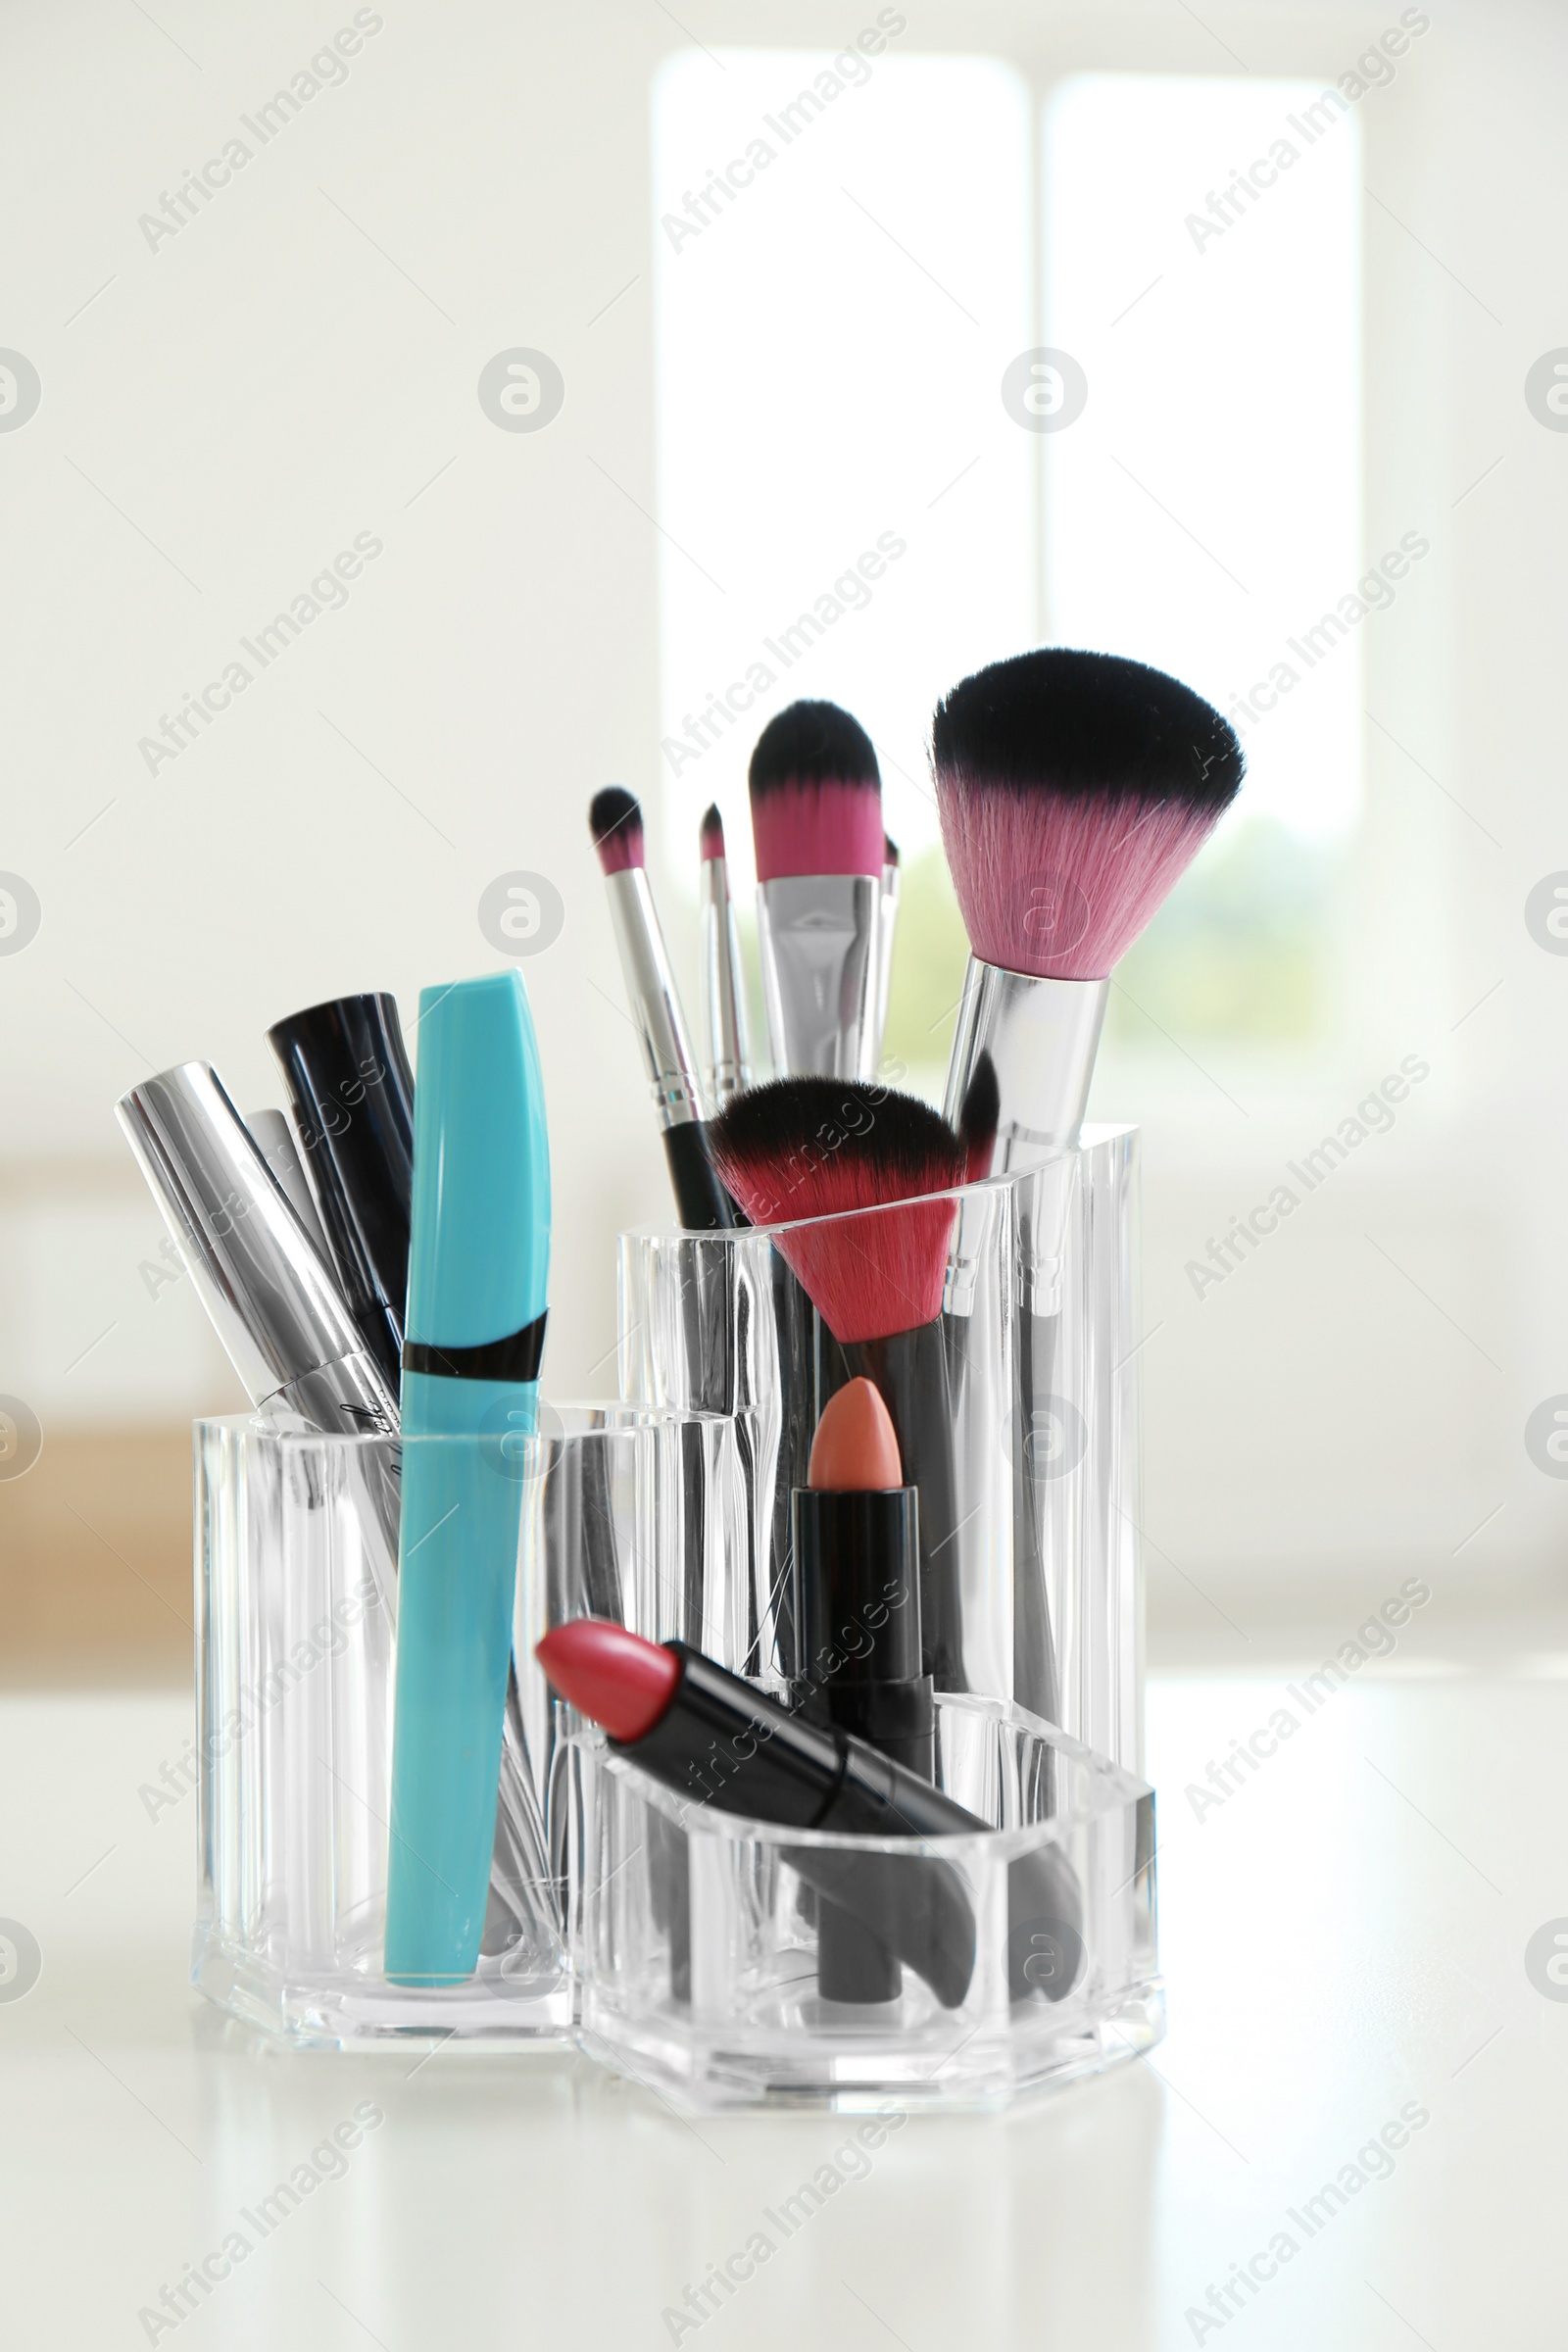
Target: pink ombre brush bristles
{"type": "Point", "coordinates": [816, 795]}
{"type": "Point", "coordinates": [712, 837]}
{"type": "Point", "coordinates": [615, 823]}
{"type": "Point", "coordinates": [1074, 790]}
{"type": "Point", "coordinates": [869, 1277]}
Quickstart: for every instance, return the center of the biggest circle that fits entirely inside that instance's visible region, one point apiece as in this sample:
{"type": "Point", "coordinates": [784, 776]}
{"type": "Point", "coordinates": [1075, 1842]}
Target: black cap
{"type": "Point", "coordinates": [352, 1091]}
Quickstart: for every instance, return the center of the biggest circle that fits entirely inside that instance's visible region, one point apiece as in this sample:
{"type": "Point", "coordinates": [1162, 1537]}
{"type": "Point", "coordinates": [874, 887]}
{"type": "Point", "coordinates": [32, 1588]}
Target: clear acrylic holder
{"type": "Point", "coordinates": [698, 1943]}
{"type": "Point", "coordinates": [624, 1512]}
{"type": "Point", "coordinates": [1033, 1506]}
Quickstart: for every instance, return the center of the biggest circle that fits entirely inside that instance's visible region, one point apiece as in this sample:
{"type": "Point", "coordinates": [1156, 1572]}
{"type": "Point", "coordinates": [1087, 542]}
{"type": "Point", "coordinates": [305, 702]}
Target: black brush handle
{"type": "Point", "coordinates": [796, 1321]}
{"type": "Point", "coordinates": [1035, 1683]}
{"type": "Point", "coordinates": [700, 1202]}
{"type": "Point", "coordinates": [910, 1370]}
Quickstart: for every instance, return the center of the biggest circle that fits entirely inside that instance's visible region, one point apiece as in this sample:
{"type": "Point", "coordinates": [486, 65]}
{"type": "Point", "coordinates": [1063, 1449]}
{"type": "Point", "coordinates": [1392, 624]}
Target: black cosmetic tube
{"type": "Point", "coordinates": [352, 1091]}
{"type": "Point", "coordinates": [910, 1368]}
{"type": "Point", "coordinates": [857, 1581]}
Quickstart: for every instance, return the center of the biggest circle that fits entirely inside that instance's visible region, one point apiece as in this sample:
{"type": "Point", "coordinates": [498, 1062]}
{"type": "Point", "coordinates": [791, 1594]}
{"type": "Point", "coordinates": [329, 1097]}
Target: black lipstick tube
{"type": "Point", "coordinates": [857, 1568]}
{"type": "Point", "coordinates": [910, 1368]}
{"type": "Point", "coordinates": [857, 1581]}
{"type": "Point", "coordinates": [721, 1742]}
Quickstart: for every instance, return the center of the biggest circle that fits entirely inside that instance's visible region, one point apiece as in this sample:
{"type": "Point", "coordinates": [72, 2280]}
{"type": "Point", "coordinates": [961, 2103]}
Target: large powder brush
{"type": "Point", "coordinates": [1074, 790]}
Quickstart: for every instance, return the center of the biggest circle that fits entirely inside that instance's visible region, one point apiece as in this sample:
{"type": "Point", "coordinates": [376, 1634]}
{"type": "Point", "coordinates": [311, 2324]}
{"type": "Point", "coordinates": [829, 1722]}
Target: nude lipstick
{"type": "Point", "coordinates": [856, 1530]}
{"type": "Point", "coordinates": [856, 1545]}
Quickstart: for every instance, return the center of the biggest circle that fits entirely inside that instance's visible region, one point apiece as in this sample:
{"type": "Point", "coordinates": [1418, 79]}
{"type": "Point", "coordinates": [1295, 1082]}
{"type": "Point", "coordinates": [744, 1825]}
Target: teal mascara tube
{"type": "Point", "coordinates": [479, 1268]}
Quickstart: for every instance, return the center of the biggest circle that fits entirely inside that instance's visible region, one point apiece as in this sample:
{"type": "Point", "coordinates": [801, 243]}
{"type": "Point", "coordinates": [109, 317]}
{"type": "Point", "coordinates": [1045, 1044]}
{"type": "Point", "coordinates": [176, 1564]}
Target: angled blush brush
{"type": "Point", "coordinates": [615, 823]}
{"type": "Point", "coordinates": [809, 1154]}
{"type": "Point", "coordinates": [1074, 790]}
{"type": "Point", "coordinates": [721, 998]}
{"type": "Point", "coordinates": [817, 823]}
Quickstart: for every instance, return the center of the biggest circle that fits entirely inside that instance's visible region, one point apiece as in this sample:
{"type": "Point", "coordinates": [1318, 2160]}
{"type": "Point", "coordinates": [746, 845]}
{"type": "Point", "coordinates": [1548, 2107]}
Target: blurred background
{"type": "Point", "coordinates": [1220, 341]}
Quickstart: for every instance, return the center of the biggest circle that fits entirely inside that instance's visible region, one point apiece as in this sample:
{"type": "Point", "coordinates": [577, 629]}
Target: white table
{"type": "Point", "coordinates": [1344, 1940]}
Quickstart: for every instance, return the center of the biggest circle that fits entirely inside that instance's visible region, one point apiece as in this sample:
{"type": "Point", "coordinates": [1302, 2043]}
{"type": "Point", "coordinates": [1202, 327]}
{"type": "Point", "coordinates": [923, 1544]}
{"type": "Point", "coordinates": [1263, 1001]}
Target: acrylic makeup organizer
{"type": "Point", "coordinates": [714, 2001]}
{"type": "Point", "coordinates": [623, 1512]}
{"type": "Point", "coordinates": [1045, 1507]}
{"type": "Point", "coordinates": [680, 1945]}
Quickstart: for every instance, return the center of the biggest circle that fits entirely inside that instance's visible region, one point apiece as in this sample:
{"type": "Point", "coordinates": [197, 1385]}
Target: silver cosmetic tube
{"type": "Point", "coordinates": [654, 997]}
{"type": "Point", "coordinates": [721, 999]}
{"type": "Point", "coordinates": [818, 936]}
{"type": "Point", "coordinates": [274, 1138]}
{"type": "Point", "coordinates": [271, 1300]}
{"type": "Point", "coordinates": [888, 923]}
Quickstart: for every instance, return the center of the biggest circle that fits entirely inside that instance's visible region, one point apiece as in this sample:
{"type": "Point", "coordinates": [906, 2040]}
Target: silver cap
{"type": "Point", "coordinates": [274, 1304]}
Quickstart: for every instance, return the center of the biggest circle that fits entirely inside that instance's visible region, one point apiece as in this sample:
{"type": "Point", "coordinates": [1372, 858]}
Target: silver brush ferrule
{"type": "Point", "coordinates": [271, 1298]}
{"type": "Point", "coordinates": [721, 998]}
{"type": "Point", "coordinates": [818, 935]}
{"type": "Point", "coordinates": [1041, 1037]}
{"type": "Point", "coordinates": [655, 998]}
{"type": "Point", "coordinates": [888, 922]}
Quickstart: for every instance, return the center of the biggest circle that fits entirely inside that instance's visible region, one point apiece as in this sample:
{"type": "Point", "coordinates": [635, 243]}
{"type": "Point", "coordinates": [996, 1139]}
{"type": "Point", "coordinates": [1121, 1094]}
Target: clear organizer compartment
{"type": "Point", "coordinates": [1027, 1957]}
{"type": "Point", "coordinates": [1029, 1469]}
{"type": "Point", "coordinates": [621, 1511]}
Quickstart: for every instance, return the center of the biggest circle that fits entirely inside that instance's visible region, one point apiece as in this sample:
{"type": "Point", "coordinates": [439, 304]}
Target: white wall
{"type": "Point", "coordinates": [230, 410]}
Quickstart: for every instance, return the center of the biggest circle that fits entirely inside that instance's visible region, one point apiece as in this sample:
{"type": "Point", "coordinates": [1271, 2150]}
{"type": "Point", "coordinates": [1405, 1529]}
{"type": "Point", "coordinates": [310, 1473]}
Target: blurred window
{"type": "Point", "coordinates": [846, 266]}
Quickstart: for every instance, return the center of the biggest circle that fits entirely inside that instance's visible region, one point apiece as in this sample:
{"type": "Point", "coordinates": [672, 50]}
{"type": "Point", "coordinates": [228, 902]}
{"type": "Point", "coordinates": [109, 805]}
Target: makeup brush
{"type": "Point", "coordinates": [888, 925]}
{"type": "Point", "coordinates": [808, 1154]}
{"type": "Point", "coordinates": [817, 822]}
{"type": "Point", "coordinates": [1074, 789]}
{"type": "Point", "coordinates": [722, 999]}
{"type": "Point", "coordinates": [615, 823]}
